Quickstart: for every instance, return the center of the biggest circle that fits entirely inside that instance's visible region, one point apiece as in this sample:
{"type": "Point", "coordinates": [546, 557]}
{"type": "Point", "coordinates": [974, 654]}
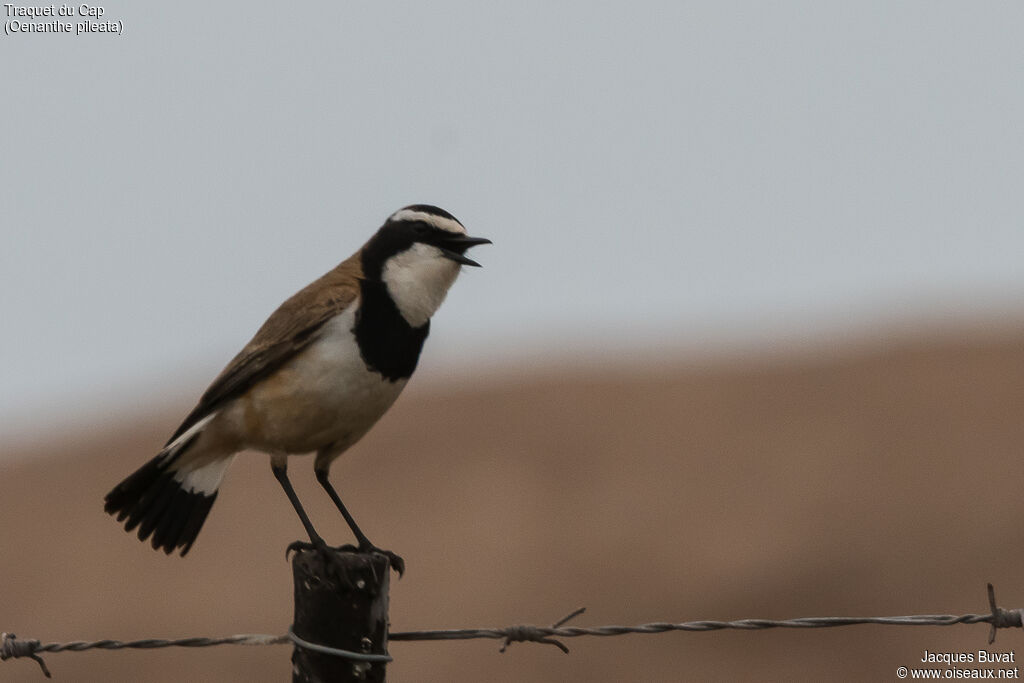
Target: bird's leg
{"type": "Point", "coordinates": [280, 471]}
{"type": "Point", "coordinates": [397, 563]}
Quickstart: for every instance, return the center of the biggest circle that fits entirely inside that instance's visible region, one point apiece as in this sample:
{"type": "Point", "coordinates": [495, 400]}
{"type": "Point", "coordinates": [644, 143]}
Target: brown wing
{"type": "Point", "coordinates": [288, 330]}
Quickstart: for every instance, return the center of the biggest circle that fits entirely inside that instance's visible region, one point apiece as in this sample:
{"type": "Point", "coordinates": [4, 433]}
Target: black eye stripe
{"type": "Point", "coordinates": [401, 232]}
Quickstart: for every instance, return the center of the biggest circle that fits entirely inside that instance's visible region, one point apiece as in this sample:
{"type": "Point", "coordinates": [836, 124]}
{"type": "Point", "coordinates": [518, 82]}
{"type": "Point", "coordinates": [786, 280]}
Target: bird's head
{"type": "Point", "coordinates": [417, 254]}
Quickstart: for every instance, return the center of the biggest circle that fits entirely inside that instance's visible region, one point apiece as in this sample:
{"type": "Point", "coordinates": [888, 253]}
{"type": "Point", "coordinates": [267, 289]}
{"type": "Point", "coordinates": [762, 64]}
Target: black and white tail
{"type": "Point", "coordinates": [170, 496]}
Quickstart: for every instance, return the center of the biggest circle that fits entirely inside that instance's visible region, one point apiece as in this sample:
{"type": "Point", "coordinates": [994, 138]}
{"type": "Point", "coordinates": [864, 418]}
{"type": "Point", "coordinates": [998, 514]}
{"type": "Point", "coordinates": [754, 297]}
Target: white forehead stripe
{"type": "Point", "coordinates": [437, 221]}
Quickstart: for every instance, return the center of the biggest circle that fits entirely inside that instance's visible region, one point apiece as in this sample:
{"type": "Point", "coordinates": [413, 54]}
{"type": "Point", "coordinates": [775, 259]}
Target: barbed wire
{"type": "Point", "coordinates": [13, 647]}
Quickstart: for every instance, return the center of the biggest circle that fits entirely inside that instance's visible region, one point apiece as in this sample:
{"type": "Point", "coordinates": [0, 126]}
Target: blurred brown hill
{"type": "Point", "coordinates": [882, 481]}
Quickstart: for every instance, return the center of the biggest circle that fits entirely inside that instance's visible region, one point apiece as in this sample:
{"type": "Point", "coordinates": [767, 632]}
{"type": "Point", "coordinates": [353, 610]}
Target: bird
{"type": "Point", "coordinates": [318, 374]}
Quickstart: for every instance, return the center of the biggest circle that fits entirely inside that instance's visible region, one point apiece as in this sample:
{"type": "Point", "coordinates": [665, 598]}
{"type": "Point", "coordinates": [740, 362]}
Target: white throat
{"type": "Point", "coordinates": [418, 280]}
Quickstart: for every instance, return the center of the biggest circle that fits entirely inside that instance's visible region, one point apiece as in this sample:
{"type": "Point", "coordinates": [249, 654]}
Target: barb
{"type": "Point", "coordinates": [524, 633]}
{"type": "Point", "coordinates": [998, 618]}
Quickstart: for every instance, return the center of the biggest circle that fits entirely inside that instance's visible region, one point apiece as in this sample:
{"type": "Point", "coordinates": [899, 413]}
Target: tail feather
{"type": "Point", "coordinates": [151, 507]}
{"type": "Point", "coordinates": [195, 522]}
{"type": "Point", "coordinates": [163, 500]}
{"type": "Point", "coordinates": [167, 532]}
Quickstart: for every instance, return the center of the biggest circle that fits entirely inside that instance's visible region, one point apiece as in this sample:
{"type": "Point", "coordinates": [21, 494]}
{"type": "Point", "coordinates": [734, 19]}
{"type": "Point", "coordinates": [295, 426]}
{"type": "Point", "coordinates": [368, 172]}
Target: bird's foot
{"type": "Point", "coordinates": [298, 546]}
{"type": "Point", "coordinates": [397, 563]}
{"type": "Point", "coordinates": [319, 545]}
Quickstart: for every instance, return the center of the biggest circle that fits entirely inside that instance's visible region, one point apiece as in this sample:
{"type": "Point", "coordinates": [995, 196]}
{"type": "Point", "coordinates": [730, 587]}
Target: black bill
{"type": "Point", "coordinates": [455, 246]}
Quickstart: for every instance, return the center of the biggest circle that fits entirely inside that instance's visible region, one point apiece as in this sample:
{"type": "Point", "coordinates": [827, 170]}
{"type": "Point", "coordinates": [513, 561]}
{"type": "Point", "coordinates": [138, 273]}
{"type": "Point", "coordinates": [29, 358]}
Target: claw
{"type": "Point", "coordinates": [298, 546]}
{"type": "Point", "coordinates": [397, 563]}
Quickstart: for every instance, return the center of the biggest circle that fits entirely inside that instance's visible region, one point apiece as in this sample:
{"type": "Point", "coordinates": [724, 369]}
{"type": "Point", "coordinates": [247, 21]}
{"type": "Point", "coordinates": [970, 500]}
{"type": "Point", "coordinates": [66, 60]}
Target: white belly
{"type": "Point", "coordinates": [324, 398]}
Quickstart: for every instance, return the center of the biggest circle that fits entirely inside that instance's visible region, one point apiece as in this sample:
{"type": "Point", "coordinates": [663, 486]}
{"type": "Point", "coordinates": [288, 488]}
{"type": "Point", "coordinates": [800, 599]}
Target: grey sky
{"type": "Point", "coordinates": [675, 172]}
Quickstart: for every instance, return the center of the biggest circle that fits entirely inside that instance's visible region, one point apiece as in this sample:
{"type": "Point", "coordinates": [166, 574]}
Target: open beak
{"type": "Point", "coordinates": [454, 248]}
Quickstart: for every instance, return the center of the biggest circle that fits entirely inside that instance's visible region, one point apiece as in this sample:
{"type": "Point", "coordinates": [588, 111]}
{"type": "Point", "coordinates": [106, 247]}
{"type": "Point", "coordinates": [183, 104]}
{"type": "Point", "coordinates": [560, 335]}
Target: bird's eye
{"type": "Point", "coordinates": [421, 228]}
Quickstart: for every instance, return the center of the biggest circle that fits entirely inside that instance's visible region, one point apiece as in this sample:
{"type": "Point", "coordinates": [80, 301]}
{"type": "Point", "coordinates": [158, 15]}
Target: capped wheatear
{"type": "Point", "coordinates": [316, 377]}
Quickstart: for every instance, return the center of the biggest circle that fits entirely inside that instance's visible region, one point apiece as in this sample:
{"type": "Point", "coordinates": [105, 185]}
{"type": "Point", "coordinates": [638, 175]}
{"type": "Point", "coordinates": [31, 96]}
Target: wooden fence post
{"type": "Point", "coordinates": [341, 601]}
